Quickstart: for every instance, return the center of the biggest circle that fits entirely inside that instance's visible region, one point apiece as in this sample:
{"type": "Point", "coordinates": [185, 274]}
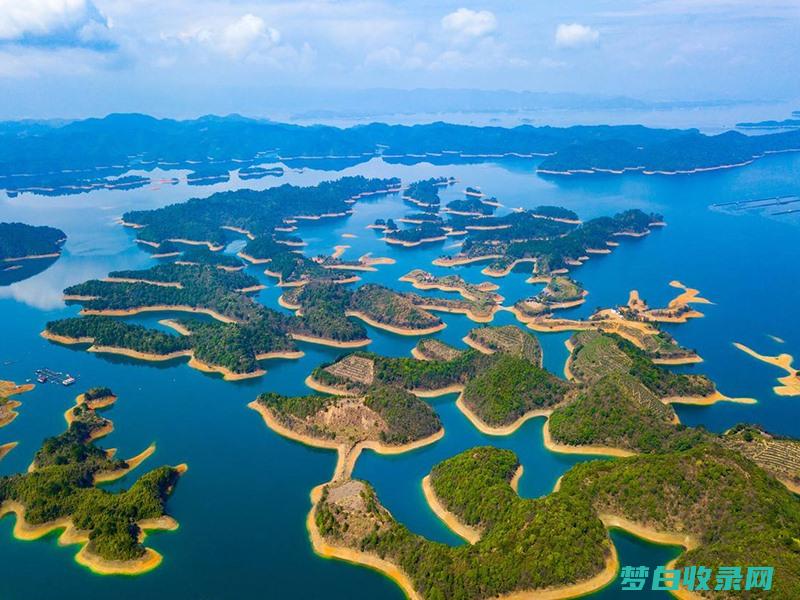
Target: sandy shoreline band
{"type": "Point", "coordinates": [392, 571]}
{"type": "Point", "coordinates": [9, 414]}
{"type": "Point", "coordinates": [6, 448]}
{"type": "Point", "coordinates": [470, 534]}
{"type": "Point", "coordinates": [447, 261]}
{"type": "Point", "coordinates": [127, 312]}
{"type": "Point", "coordinates": [476, 345]}
{"type": "Point", "coordinates": [244, 232]}
{"type": "Point", "coordinates": [71, 535]}
{"type": "Point", "coordinates": [325, 389]}
{"type": "Point", "coordinates": [227, 374]}
{"type": "Point", "coordinates": [488, 271]}
{"type": "Point", "coordinates": [568, 374]}
{"type": "Point", "coordinates": [210, 245]}
{"type": "Point", "coordinates": [348, 452]}
{"type": "Point", "coordinates": [501, 430]}
{"type": "Point", "coordinates": [790, 384]}
{"type": "Point", "coordinates": [331, 343]}
{"type": "Point", "coordinates": [467, 312]}
{"type": "Point", "coordinates": [287, 305]}
{"type": "Point", "coordinates": [372, 561]}
{"type": "Point", "coordinates": [32, 257]}
{"type": "Point", "coordinates": [554, 446]}
{"type": "Point", "coordinates": [713, 398]}
{"type": "Point", "coordinates": [405, 244]}
{"type": "Point", "coordinates": [393, 329]}
{"type": "Point", "coordinates": [253, 259]}
{"type": "Point", "coordinates": [689, 359]}
{"type": "Point", "coordinates": [133, 463]}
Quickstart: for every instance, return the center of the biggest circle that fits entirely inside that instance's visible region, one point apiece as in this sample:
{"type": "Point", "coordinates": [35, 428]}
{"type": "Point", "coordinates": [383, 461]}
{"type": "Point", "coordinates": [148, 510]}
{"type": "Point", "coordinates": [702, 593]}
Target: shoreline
{"type": "Point", "coordinates": [709, 400]}
{"type": "Point", "coordinates": [393, 329]}
{"type": "Point", "coordinates": [348, 453]}
{"type": "Point", "coordinates": [501, 430]}
{"type": "Point", "coordinates": [6, 448]}
{"type": "Point", "coordinates": [461, 529]}
{"type": "Point", "coordinates": [568, 374]}
{"type": "Point", "coordinates": [371, 561]}
{"type": "Point", "coordinates": [70, 535]}
{"type": "Point", "coordinates": [455, 262]}
{"type": "Point", "coordinates": [310, 339]}
{"type": "Point", "coordinates": [127, 312]}
{"type": "Point", "coordinates": [325, 389]}
{"type": "Point", "coordinates": [32, 257]}
{"type": "Point", "coordinates": [559, 448]}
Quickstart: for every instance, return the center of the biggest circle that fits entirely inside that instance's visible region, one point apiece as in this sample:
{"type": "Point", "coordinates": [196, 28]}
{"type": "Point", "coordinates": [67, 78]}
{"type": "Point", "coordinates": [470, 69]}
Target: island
{"type": "Point", "coordinates": [8, 406]}
{"type": "Point", "coordinates": [595, 354]}
{"type": "Point", "coordinates": [26, 250]}
{"type": "Point", "coordinates": [59, 493]}
{"type": "Point", "coordinates": [19, 242]}
{"type": "Point", "coordinates": [561, 292]}
{"type": "Point", "coordinates": [552, 244]}
{"type": "Point", "coordinates": [258, 212]}
{"type": "Point", "coordinates": [386, 419]}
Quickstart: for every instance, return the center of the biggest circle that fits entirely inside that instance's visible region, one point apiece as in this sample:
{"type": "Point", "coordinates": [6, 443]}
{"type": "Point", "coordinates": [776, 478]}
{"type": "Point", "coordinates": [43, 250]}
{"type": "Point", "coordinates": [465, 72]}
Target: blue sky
{"type": "Point", "coordinates": [79, 57]}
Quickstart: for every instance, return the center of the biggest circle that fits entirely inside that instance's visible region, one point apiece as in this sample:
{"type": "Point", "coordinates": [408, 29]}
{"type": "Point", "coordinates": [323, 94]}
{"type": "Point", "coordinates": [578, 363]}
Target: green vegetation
{"type": "Point", "coordinates": [323, 307]}
{"type": "Point", "coordinates": [554, 244]}
{"type": "Point", "coordinates": [407, 373]}
{"type": "Point", "coordinates": [425, 193]}
{"type": "Point", "coordinates": [509, 339]}
{"type": "Point", "coordinates": [560, 290]}
{"type": "Point", "coordinates": [471, 205]}
{"type": "Point", "coordinates": [200, 286]}
{"type": "Point", "coordinates": [230, 346]}
{"type": "Point", "coordinates": [418, 233]}
{"type": "Point", "coordinates": [407, 418]}
{"type": "Point", "coordinates": [555, 540]}
{"type": "Point", "coordinates": [114, 333]}
{"type": "Point", "coordinates": [61, 485]}
{"type": "Point", "coordinates": [392, 308]}
{"type": "Point", "coordinates": [295, 268]}
{"type": "Point", "coordinates": [555, 212]}
{"type": "Point", "coordinates": [739, 514]}
{"type": "Point", "coordinates": [96, 393]}
{"type": "Point", "coordinates": [257, 211]}
{"type": "Point", "coordinates": [386, 414]}
{"type": "Point", "coordinates": [510, 387]}
{"type": "Point", "coordinates": [618, 411]}
{"type": "Point", "coordinates": [18, 240]}
{"type": "Point", "coordinates": [596, 354]}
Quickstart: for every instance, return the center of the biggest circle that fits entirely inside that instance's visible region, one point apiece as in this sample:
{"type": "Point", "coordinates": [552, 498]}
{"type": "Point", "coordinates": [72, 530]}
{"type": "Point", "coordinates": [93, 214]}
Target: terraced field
{"type": "Point", "coordinates": [509, 339]}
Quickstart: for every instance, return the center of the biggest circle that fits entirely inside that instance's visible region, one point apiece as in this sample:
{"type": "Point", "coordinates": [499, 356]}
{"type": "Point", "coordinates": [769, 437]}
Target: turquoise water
{"type": "Point", "coordinates": [243, 503]}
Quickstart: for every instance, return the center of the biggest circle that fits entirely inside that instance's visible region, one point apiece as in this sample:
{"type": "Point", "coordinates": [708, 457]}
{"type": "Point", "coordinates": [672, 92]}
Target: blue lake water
{"type": "Point", "coordinates": [242, 505]}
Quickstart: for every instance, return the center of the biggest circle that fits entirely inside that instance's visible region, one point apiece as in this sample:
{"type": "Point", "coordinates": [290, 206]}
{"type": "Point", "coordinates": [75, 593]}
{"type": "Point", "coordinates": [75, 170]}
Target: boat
{"type": "Point", "coordinates": [68, 380]}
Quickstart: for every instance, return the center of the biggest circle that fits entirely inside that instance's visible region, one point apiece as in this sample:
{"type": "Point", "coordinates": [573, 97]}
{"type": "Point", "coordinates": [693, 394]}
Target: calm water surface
{"type": "Point", "coordinates": [243, 503]}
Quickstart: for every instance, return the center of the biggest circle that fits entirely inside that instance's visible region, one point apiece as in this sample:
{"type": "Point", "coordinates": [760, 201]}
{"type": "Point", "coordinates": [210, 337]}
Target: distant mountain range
{"type": "Point", "coordinates": [52, 155]}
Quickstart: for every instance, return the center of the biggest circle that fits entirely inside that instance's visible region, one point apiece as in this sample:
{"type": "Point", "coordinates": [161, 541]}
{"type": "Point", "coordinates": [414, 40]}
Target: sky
{"type": "Point", "coordinates": [75, 58]}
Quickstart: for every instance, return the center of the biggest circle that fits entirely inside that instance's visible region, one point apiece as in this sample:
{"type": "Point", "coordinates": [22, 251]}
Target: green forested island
{"type": "Point", "coordinates": [596, 354]}
{"type": "Point", "coordinates": [554, 244]}
{"type": "Point", "coordinates": [253, 211]}
{"type": "Point", "coordinates": [20, 241]}
{"type": "Point", "coordinates": [59, 492]}
{"type": "Point", "coordinates": [385, 414]}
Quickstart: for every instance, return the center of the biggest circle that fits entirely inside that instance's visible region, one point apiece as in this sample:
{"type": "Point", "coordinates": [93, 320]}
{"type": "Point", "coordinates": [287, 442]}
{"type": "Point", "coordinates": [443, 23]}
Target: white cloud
{"type": "Point", "coordinates": [246, 36]}
{"type": "Point", "coordinates": [69, 22]}
{"type": "Point", "coordinates": [575, 35]}
{"type": "Point", "coordinates": [248, 33]}
{"type": "Point", "coordinates": [469, 23]}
